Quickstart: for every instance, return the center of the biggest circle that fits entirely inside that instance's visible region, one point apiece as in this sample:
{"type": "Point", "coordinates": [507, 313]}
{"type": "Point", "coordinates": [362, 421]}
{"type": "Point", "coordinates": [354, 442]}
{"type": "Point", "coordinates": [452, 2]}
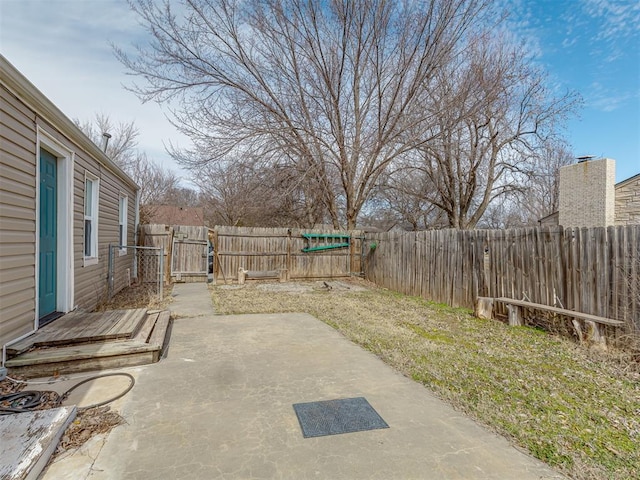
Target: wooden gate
{"type": "Point", "coordinates": [189, 253]}
{"type": "Point", "coordinates": [186, 250]}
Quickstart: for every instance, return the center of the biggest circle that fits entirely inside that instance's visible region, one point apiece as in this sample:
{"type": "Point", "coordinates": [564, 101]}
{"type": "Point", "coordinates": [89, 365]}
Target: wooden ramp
{"type": "Point", "coordinates": [80, 342]}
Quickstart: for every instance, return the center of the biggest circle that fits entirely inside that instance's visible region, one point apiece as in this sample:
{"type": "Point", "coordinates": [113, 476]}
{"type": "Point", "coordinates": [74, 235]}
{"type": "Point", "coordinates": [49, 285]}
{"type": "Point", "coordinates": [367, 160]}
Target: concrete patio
{"type": "Point", "coordinates": [220, 406]}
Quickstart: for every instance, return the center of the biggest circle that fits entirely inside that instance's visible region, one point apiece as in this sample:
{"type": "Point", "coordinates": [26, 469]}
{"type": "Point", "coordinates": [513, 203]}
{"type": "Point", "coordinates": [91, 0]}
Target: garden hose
{"type": "Point", "coordinates": [30, 400]}
{"type": "Point", "coordinates": [19, 402]}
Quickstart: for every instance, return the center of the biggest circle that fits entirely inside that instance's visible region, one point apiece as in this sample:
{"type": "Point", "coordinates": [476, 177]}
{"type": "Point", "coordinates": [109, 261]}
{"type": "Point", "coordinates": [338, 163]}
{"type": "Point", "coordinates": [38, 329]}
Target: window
{"type": "Point", "coordinates": [122, 223]}
{"type": "Point", "coordinates": [91, 188]}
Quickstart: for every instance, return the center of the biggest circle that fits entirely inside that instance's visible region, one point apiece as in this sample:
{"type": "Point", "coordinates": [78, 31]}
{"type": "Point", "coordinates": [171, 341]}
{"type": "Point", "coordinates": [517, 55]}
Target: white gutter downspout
{"type": "Point", "coordinates": [135, 234]}
{"type": "Point", "coordinates": [3, 369]}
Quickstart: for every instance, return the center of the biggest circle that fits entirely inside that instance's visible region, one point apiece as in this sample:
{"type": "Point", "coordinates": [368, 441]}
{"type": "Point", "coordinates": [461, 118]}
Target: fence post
{"type": "Point", "coordinates": [352, 251]}
{"type": "Point", "coordinates": [161, 276]}
{"type": "Point", "coordinates": [288, 259]}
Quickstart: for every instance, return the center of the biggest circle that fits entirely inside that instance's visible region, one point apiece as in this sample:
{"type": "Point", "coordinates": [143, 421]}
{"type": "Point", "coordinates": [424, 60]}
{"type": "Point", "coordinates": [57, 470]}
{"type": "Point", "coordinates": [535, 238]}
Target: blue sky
{"type": "Point", "coordinates": [591, 46]}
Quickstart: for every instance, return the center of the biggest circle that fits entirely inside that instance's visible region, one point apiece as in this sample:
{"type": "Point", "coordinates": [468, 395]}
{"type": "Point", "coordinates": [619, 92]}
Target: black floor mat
{"type": "Point", "coordinates": [333, 417]}
{"type": "Point", "coordinates": [47, 319]}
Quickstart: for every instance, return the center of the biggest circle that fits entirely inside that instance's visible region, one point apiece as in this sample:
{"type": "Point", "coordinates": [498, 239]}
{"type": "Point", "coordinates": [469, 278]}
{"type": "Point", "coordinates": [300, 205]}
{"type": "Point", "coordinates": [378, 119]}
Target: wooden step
{"type": "Point", "coordinates": [132, 323]}
{"type": "Point", "coordinates": [83, 358]}
{"type": "Point", "coordinates": [78, 352]}
{"type": "Point", "coordinates": [146, 348]}
{"type": "Point", "coordinates": [160, 334]}
{"type": "Point", "coordinates": [147, 327]}
{"type": "Point", "coordinates": [80, 327]}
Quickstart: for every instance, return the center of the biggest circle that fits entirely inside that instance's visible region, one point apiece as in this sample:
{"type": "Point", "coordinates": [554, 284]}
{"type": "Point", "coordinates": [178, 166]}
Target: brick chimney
{"type": "Point", "coordinates": [587, 194]}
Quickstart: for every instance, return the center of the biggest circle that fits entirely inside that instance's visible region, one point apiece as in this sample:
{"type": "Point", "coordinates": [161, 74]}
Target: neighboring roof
{"type": "Point", "coordinates": [549, 217]}
{"type": "Point", "coordinates": [22, 88]}
{"type": "Point", "coordinates": [627, 181]}
{"type": "Point", "coordinates": [175, 215]}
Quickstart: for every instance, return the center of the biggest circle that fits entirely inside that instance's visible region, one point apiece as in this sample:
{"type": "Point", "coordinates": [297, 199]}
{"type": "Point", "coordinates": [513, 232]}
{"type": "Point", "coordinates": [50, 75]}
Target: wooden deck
{"type": "Point", "coordinates": [80, 342]}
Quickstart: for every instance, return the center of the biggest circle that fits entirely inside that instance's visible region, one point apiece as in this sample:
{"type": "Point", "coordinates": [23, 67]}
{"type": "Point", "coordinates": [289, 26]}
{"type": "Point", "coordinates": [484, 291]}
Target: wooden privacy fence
{"type": "Point", "coordinates": [329, 253]}
{"type": "Point", "coordinates": [591, 270]}
{"type": "Point", "coordinates": [185, 250]}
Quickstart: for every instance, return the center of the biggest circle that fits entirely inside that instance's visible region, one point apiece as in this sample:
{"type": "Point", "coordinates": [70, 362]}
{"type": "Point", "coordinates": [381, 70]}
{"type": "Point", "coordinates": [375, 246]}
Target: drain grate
{"type": "Point", "coordinates": [333, 417]}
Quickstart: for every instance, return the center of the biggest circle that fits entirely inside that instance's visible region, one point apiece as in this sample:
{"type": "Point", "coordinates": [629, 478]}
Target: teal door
{"type": "Point", "coordinates": [47, 234]}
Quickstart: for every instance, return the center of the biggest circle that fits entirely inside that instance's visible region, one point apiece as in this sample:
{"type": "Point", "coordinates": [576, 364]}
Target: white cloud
{"type": "Point", "coordinates": [605, 99]}
{"type": "Point", "coordinates": [64, 48]}
{"type": "Point", "coordinates": [618, 19]}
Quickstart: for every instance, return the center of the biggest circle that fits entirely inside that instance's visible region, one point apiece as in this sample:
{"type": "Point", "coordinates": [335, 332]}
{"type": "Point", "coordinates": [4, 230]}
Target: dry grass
{"type": "Point", "coordinates": [572, 408]}
{"type": "Point", "coordinates": [137, 296]}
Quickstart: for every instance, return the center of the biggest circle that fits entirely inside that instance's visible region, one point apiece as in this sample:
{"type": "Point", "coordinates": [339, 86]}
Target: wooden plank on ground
{"type": "Point", "coordinates": [32, 437]}
{"type": "Point", "coordinates": [560, 311]}
{"type": "Point", "coordinates": [160, 329]}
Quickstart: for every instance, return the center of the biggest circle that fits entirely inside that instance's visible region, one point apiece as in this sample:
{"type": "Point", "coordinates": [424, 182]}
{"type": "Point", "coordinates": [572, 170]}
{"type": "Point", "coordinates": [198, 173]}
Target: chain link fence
{"type": "Point", "coordinates": [145, 268]}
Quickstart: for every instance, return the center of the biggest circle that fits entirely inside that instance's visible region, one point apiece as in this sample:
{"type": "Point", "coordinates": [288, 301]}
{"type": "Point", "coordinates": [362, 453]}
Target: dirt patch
{"type": "Point", "coordinates": [231, 287]}
{"type": "Point", "coordinates": [289, 287]}
{"type": "Point", "coordinates": [574, 408]}
{"type": "Point", "coordinates": [333, 286]}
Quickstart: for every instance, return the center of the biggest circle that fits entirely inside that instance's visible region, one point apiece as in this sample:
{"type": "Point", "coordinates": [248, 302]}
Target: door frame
{"type": "Point", "coordinates": [64, 219]}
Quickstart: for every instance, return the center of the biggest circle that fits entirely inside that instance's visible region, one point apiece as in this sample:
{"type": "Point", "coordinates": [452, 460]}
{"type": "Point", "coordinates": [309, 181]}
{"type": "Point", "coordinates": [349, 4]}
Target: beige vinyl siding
{"type": "Point", "coordinates": [91, 281]}
{"type": "Point", "coordinates": [17, 217]}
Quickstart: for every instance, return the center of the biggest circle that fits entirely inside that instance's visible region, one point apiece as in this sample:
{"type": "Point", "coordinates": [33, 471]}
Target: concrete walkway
{"type": "Point", "coordinates": [220, 407]}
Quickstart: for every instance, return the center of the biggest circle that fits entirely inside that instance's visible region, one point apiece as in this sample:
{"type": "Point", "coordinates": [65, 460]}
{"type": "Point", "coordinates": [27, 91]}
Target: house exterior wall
{"type": "Point", "coordinates": [28, 122]}
{"type": "Point", "coordinates": [587, 195]}
{"type": "Point", "coordinates": [17, 218]}
{"type": "Point", "coordinates": [628, 201]}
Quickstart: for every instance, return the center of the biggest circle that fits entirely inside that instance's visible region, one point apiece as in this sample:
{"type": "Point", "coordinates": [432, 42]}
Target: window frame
{"type": "Point", "coordinates": [92, 257]}
{"type": "Point", "coordinates": [123, 218]}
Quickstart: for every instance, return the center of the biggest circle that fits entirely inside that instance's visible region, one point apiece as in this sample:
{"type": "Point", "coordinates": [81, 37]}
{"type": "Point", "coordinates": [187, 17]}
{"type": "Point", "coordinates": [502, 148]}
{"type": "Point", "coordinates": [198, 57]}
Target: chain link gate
{"type": "Point", "coordinates": [146, 268]}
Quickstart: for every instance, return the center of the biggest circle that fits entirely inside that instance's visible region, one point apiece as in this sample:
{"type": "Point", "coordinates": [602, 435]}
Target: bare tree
{"type": "Point", "coordinates": [337, 88]}
{"type": "Point", "coordinates": [251, 194]}
{"type": "Point", "coordinates": [541, 194]}
{"type": "Point", "coordinates": [233, 193]}
{"type": "Point", "coordinates": [400, 202]}
{"type": "Point", "coordinates": [494, 112]}
{"type": "Point", "coordinates": [158, 185]}
{"type": "Point", "coordinates": [122, 146]}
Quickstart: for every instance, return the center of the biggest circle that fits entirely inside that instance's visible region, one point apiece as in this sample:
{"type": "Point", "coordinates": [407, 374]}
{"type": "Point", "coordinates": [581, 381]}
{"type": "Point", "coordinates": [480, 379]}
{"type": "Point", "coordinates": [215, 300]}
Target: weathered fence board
{"type": "Point", "coordinates": [270, 249]}
{"type": "Point", "coordinates": [591, 270]}
{"type": "Point", "coordinates": [185, 250]}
